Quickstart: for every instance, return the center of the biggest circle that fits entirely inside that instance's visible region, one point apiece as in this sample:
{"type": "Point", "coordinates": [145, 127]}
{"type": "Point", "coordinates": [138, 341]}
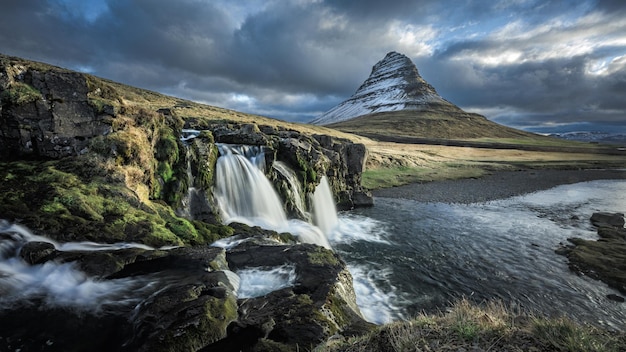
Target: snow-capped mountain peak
{"type": "Point", "coordinates": [393, 85]}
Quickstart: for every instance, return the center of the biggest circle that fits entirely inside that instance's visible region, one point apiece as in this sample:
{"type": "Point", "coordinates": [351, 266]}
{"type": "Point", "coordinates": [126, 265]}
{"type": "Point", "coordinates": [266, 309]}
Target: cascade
{"type": "Point", "coordinates": [294, 186]}
{"type": "Point", "coordinates": [244, 194]}
{"type": "Point", "coordinates": [61, 284]}
{"type": "Point", "coordinates": [324, 209]}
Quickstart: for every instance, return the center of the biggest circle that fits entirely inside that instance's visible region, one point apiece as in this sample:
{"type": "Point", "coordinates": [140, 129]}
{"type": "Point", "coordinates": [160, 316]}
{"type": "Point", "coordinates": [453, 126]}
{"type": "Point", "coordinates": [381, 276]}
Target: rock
{"type": "Point", "coordinates": [37, 252]}
{"type": "Point", "coordinates": [616, 298]}
{"type": "Point", "coordinates": [602, 259]}
{"type": "Point", "coordinates": [320, 304]}
{"type": "Point", "coordinates": [310, 157]}
{"type": "Point", "coordinates": [610, 219]}
{"type": "Point", "coordinates": [609, 232]}
{"type": "Point", "coordinates": [49, 114]}
{"type": "Point", "coordinates": [188, 304]}
{"type": "Point", "coordinates": [247, 134]}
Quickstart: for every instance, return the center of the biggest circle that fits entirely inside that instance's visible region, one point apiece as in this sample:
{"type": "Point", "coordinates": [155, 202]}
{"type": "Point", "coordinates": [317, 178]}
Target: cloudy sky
{"type": "Point", "coordinates": [537, 65]}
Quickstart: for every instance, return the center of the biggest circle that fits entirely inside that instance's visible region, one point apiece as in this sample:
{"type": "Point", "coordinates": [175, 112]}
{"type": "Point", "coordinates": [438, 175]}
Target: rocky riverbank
{"type": "Point", "coordinates": [603, 259]}
{"type": "Point", "coordinates": [496, 185]}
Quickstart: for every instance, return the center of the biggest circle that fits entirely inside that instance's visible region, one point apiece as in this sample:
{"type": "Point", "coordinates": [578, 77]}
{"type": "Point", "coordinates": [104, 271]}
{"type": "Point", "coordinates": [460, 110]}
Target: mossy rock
{"type": "Point", "coordinates": [19, 93]}
{"type": "Point", "coordinates": [55, 202]}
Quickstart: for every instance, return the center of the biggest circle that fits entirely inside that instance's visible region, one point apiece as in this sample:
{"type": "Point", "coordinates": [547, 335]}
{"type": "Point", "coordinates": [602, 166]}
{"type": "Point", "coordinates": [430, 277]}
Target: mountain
{"type": "Point", "coordinates": [393, 85]}
{"type": "Point", "coordinates": [395, 101]}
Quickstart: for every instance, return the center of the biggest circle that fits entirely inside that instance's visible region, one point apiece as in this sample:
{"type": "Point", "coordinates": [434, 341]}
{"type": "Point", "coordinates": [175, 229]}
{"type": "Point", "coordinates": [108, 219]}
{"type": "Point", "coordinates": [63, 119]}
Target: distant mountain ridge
{"type": "Point", "coordinates": [393, 85]}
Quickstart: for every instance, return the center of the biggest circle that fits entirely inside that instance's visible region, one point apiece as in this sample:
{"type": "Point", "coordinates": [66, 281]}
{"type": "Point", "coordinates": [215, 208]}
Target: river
{"type": "Point", "coordinates": [407, 257]}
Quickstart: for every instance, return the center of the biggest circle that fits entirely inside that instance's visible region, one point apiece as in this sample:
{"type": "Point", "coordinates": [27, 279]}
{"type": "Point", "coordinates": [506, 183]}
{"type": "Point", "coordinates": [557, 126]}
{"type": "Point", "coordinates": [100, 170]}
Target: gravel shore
{"type": "Point", "coordinates": [497, 185]}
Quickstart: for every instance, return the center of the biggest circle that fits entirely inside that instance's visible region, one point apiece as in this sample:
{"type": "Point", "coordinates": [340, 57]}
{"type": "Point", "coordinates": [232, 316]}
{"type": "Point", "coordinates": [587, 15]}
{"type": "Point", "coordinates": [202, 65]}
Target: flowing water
{"type": "Point", "coordinates": [62, 284]}
{"type": "Point", "coordinates": [408, 256]}
{"type": "Point", "coordinates": [245, 195]}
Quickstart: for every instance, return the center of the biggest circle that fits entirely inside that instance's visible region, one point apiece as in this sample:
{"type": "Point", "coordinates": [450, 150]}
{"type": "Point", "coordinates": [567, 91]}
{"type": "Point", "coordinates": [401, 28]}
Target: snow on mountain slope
{"type": "Point", "coordinates": [393, 85]}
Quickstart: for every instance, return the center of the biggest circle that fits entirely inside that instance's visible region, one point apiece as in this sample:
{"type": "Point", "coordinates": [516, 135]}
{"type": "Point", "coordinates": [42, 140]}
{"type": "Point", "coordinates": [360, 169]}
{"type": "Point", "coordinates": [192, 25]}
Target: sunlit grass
{"type": "Point", "coordinates": [489, 327]}
{"type": "Point", "coordinates": [397, 176]}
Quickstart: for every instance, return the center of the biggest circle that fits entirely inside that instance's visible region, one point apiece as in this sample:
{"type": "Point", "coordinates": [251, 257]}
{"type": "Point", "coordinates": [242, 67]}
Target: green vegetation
{"type": "Point", "coordinates": [492, 327]}
{"type": "Point", "coordinates": [19, 93]}
{"type": "Point", "coordinates": [322, 256]}
{"type": "Point", "coordinates": [444, 121]}
{"type": "Point", "coordinates": [397, 176]}
{"type": "Point", "coordinates": [66, 206]}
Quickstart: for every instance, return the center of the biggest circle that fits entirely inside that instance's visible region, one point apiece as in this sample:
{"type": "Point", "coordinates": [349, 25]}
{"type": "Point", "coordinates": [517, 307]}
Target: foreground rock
{"type": "Point", "coordinates": [130, 299]}
{"type": "Point", "coordinates": [181, 299]}
{"type": "Point", "coordinates": [605, 258]}
{"type": "Point", "coordinates": [320, 304]}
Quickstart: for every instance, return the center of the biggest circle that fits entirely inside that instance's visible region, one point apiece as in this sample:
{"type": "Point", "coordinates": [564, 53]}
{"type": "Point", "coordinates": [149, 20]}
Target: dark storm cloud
{"type": "Point", "coordinates": [524, 62]}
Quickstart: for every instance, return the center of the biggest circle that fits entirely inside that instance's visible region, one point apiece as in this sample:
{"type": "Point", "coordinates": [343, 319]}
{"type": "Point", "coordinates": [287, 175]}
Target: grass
{"type": "Point", "coordinates": [489, 327]}
{"type": "Point", "coordinates": [397, 176]}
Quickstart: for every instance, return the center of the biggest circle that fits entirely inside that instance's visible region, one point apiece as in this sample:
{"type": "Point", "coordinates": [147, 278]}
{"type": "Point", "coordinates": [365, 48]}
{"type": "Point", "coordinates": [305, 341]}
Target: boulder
{"type": "Point", "coordinates": [321, 302]}
{"type": "Point", "coordinates": [610, 219]}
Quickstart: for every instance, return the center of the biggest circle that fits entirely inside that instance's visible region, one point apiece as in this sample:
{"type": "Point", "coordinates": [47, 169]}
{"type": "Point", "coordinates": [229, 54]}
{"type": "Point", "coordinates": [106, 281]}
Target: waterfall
{"type": "Point", "coordinates": [294, 186]}
{"type": "Point", "coordinates": [244, 194]}
{"type": "Point", "coordinates": [324, 210]}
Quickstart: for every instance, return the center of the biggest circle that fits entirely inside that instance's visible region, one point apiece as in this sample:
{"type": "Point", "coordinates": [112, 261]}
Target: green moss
{"type": "Point", "coordinates": [307, 173]}
{"type": "Point", "coordinates": [206, 168]}
{"type": "Point", "coordinates": [164, 170]}
{"type": "Point", "coordinates": [66, 207]}
{"type": "Point", "coordinates": [209, 233]}
{"type": "Point", "coordinates": [273, 346]}
{"type": "Point", "coordinates": [322, 256]}
{"type": "Point", "coordinates": [19, 93]}
{"type": "Point", "coordinates": [219, 314]}
{"type": "Point", "coordinates": [167, 146]}
{"type": "Point", "coordinates": [211, 327]}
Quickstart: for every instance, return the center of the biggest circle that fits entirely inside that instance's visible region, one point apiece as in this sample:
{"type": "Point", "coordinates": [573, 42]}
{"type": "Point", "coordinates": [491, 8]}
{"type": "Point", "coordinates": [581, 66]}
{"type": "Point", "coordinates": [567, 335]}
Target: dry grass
{"type": "Point", "coordinates": [491, 327]}
{"type": "Point", "coordinates": [392, 164]}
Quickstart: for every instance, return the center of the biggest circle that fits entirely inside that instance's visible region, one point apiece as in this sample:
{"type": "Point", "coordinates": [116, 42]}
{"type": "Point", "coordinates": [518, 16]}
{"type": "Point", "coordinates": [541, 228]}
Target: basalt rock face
{"type": "Point", "coordinates": [394, 84]}
{"type": "Point", "coordinates": [46, 113]}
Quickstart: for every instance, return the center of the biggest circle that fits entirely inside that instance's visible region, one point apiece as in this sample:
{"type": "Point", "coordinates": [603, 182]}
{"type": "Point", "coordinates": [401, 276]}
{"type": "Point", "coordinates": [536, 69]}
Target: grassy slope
{"type": "Point", "coordinates": [491, 327]}
{"type": "Point", "coordinates": [414, 146]}
{"type": "Point", "coordinates": [439, 121]}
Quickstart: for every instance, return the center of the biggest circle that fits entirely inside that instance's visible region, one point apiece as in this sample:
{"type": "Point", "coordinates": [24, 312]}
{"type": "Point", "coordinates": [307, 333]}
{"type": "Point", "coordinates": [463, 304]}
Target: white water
{"type": "Point", "coordinates": [294, 186]}
{"type": "Point", "coordinates": [324, 210]}
{"type": "Point", "coordinates": [257, 282]}
{"type": "Point", "coordinates": [243, 192]}
{"type": "Point", "coordinates": [245, 195]}
{"type": "Point", "coordinates": [60, 284]}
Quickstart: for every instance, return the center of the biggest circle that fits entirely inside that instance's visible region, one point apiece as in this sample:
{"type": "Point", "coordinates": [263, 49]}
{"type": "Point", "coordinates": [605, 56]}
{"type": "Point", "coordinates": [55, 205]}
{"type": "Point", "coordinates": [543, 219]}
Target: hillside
{"type": "Point", "coordinates": [441, 122]}
{"type": "Point", "coordinates": [106, 92]}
